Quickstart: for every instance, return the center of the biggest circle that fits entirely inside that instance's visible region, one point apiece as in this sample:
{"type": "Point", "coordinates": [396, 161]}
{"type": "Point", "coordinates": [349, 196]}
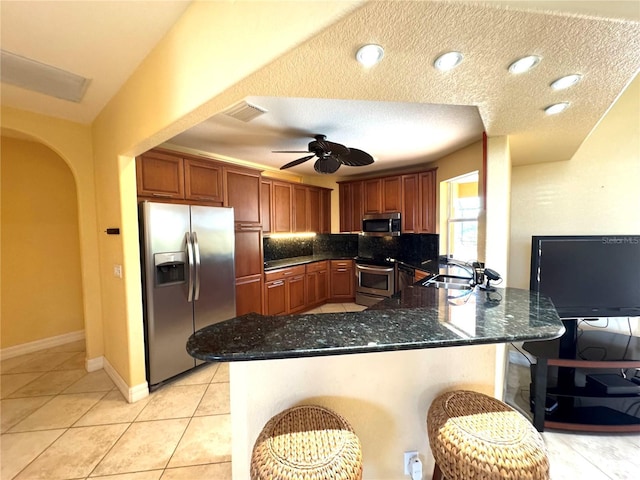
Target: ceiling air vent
{"type": "Point", "coordinates": [244, 111]}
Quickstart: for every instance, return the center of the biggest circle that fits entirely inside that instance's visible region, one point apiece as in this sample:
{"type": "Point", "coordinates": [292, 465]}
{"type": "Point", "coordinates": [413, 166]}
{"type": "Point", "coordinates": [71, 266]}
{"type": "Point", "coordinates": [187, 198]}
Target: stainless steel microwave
{"type": "Point", "coordinates": [381, 224]}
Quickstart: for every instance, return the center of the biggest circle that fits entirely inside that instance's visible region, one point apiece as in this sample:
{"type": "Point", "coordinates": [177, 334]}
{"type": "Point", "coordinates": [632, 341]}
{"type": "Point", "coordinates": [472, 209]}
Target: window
{"type": "Point", "coordinates": [462, 217]}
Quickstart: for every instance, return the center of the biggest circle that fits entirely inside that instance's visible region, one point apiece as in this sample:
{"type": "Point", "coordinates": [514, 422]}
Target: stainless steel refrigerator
{"type": "Point", "coordinates": [188, 280]}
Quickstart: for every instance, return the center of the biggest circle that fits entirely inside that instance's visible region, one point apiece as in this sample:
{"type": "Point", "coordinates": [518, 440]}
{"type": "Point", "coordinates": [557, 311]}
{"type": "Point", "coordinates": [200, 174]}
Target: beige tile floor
{"type": "Point", "coordinates": [588, 456]}
{"type": "Point", "coordinates": [60, 422]}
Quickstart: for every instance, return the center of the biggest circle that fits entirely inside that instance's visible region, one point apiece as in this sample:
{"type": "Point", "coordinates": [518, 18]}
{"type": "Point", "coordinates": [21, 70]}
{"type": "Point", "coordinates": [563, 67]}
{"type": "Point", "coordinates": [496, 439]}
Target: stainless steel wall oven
{"type": "Point", "coordinates": [374, 282]}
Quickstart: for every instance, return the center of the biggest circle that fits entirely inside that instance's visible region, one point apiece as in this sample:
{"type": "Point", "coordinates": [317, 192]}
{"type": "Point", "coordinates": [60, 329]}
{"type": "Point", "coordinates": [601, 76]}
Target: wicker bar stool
{"type": "Point", "coordinates": [476, 437]}
{"type": "Point", "coordinates": [307, 443]}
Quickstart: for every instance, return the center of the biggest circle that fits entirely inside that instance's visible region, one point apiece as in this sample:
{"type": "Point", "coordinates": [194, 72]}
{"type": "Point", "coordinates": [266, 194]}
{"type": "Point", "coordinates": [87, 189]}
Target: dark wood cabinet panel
{"type": "Point", "coordinates": [160, 175]}
{"type": "Point", "coordinates": [275, 300]}
{"type": "Point", "coordinates": [281, 207]}
{"type": "Point", "coordinates": [325, 211]}
{"type": "Point", "coordinates": [342, 280]}
{"type": "Point", "coordinates": [249, 294]}
{"type": "Point", "coordinates": [203, 180]}
{"type": "Point", "coordinates": [391, 194]}
{"type": "Point", "coordinates": [428, 186]}
{"type": "Point", "coordinates": [345, 207]}
{"type": "Point", "coordinates": [314, 210]}
{"type": "Point", "coordinates": [248, 255]}
{"type": "Point", "coordinates": [300, 209]}
{"type": "Point", "coordinates": [410, 212]}
{"type": "Point", "coordinates": [243, 194]}
{"type": "Point", "coordinates": [317, 287]}
{"type": "Point", "coordinates": [265, 205]}
{"type": "Point", "coordinates": [372, 195]}
{"type": "Point", "coordinates": [295, 286]}
{"type": "Point", "coordinates": [351, 206]}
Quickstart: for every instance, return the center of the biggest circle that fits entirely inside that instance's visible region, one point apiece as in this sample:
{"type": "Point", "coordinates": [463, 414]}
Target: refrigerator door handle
{"type": "Point", "coordinates": [196, 251]}
{"type": "Point", "coordinates": [191, 266]}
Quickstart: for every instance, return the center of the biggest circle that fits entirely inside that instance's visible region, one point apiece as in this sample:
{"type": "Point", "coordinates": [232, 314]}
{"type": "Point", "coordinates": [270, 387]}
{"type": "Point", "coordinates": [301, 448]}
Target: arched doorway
{"type": "Point", "coordinates": [42, 289]}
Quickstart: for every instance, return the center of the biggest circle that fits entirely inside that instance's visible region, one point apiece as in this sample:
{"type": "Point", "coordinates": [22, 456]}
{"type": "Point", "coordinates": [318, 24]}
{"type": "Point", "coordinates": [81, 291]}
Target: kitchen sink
{"type": "Point", "coordinates": [452, 282]}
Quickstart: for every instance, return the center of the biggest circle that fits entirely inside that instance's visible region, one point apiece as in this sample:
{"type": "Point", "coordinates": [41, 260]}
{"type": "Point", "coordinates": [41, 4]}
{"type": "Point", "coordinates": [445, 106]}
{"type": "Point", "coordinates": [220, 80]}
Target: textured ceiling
{"type": "Point", "coordinates": [323, 90]}
{"type": "Point", "coordinates": [605, 51]}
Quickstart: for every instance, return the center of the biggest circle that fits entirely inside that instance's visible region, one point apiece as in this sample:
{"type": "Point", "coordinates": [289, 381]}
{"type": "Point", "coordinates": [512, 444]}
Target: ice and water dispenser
{"type": "Point", "coordinates": [170, 268]}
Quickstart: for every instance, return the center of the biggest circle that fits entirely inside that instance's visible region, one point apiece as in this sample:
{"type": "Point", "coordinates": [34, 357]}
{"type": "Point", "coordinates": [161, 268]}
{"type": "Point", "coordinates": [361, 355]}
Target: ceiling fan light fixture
{"type": "Point", "coordinates": [556, 108]}
{"type": "Point", "coordinates": [524, 64]}
{"type": "Point", "coordinates": [369, 55]}
{"type": "Point", "coordinates": [566, 81]}
{"type": "Point", "coordinates": [448, 61]}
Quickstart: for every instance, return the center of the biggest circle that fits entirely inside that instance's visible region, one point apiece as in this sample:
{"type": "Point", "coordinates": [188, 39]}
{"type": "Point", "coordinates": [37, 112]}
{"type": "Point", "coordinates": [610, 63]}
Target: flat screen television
{"type": "Point", "coordinates": [588, 276]}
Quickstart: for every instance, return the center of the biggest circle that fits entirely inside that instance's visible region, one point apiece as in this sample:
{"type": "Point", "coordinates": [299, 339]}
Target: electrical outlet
{"type": "Point", "coordinates": [117, 271]}
{"type": "Point", "coordinates": [408, 456]}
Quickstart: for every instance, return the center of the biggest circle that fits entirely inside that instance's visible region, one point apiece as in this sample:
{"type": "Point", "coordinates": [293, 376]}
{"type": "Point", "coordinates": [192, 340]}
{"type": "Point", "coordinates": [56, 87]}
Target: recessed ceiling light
{"type": "Point", "coordinates": [556, 108]}
{"type": "Point", "coordinates": [524, 64]}
{"type": "Point", "coordinates": [447, 61]}
{"type": "Point", "coordinates": [369, 55]}
{"type": "Point", "coordinates": [566, 82]}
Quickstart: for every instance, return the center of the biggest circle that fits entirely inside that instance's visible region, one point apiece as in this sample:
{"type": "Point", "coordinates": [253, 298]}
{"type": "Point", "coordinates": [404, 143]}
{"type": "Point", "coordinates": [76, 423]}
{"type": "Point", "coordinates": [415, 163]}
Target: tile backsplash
{"type": "Point", "coordinates": [417, 249]}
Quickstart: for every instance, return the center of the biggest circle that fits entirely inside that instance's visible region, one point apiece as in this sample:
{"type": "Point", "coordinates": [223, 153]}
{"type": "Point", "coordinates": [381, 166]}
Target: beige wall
{"type": "Point", "coordinates": [596, 192]}
{"type": "Point", "coordinates": [41, 282]}
{"type": "Point", "coordinates": [72, 143]}
{"type": "Point", "coordinates": [385, 396]}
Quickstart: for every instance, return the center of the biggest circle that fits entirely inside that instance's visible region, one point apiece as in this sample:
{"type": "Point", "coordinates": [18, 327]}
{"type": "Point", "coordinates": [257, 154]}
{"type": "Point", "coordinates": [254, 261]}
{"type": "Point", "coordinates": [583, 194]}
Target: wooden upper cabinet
{"type": "Point", "coordinates": [346, 210]}
{"type": "Point", "coordinates": [391, 194]}
{"type": "Point", "coordinates": [243, 194]}
{"type": "Point", "coordinates": [314, 210]}
{"type": "Point", "coordinates": [357, 205]}
{"type": "Point", "coordinates": [413, 195]}
{"type": "Point", "coordinates": [248, 251]}
{"type": "Point", "coordinates": [428, 186]}
{"type": "Point", "coordinates": [410, 211]}
{"type": "Point", "coordinates": [265, 204]}
{"type": "Point", "coordinates": [372, 196]}
{"type": "Point", "coordinates": [325, 211]}
{"type": "Point", "coordinates": [281, 207]}
{"type": "Point", "coordinates": [160, 175]}
{"type": "Point", "coordinates": [203, 180]}
{"type": "Point", "coordinates": [300, 209]}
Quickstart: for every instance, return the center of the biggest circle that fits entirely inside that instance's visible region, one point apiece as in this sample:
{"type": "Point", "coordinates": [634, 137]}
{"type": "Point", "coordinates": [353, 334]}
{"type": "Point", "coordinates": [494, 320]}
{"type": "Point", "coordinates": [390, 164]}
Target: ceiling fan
{"type": "Point", "coordinates": [330, 156]}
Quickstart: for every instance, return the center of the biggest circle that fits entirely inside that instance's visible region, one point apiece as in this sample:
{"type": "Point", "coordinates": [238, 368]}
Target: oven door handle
{"type": "Point", "coordinates": [375, 269]}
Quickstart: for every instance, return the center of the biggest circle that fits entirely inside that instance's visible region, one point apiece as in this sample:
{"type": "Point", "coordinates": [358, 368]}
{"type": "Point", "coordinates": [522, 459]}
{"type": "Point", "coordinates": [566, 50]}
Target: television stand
{"type": "Point", "coordinates": [562, 398]}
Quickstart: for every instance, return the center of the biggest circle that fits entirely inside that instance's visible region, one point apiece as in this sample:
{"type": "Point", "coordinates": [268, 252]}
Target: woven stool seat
{"type": "Point", "coordinates": [307, 443]}
{"type": "Point", "coordinates": [476, 437]}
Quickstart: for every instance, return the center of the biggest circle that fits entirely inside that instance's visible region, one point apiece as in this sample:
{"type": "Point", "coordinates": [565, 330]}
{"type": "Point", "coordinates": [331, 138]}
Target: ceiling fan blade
{"type": "Point", "coordinates": [328, 147]}
{"type": "Point", "coordinates": [296, 162]}
{"type": "Point", "coordinates": [328, 164]}
{"type": "Point", "coordinates": [356, 158]}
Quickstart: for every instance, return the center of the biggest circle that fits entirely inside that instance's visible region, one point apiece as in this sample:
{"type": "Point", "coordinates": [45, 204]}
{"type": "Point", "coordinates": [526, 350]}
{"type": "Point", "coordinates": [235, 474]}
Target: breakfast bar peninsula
{"type": "Point", "coordinates": [379, 368]}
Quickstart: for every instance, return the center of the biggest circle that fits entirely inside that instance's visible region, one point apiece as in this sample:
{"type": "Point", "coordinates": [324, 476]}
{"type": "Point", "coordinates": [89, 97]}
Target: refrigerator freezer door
{"type": "Point", "coordinates": [168, 314]}
{"type": "Point", "coordinates": [213, 228]}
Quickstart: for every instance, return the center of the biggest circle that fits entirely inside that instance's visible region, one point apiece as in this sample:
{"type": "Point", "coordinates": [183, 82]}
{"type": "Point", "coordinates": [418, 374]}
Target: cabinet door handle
{"type": "Point", "coordinates": [278, 283]}
{"type": "Point", "coordinates": [341, 270]}
{"type": "Point", "coordinates": [162, 195]}
{"type": "Point", "coordinates": [287, 273]}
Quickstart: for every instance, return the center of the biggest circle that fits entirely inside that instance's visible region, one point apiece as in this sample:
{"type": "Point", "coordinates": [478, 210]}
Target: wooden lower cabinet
{"type": "Point", "coordinates": [317, 287]}
{"type": "Point", "coordinates": [342, 280]}
{"type": "Point", "coordinates": [284, 290]}
{"type": "Point", "coordinates": [275, 297]}
{"type": "Point", "coordinates": [249, 294]}
{"type": "Point", "coordinates": [295, 289]}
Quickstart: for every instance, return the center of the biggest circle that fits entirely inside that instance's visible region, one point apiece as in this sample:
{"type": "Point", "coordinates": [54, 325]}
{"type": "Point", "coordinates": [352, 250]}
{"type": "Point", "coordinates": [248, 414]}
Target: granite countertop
{"type": "Point", "coordinates": [418, 317]}
{"type": "Point", "coordinates": [294, 261]}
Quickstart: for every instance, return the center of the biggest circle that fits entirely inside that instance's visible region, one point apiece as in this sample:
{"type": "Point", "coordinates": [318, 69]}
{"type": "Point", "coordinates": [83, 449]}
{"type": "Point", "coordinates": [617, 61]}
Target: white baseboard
{"type": "Point", "coordinates": [42, 344]}
{"type": "Point", "coordinates": [132, 394]}
{"type": "Point", "coordinates": [94, 364]}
